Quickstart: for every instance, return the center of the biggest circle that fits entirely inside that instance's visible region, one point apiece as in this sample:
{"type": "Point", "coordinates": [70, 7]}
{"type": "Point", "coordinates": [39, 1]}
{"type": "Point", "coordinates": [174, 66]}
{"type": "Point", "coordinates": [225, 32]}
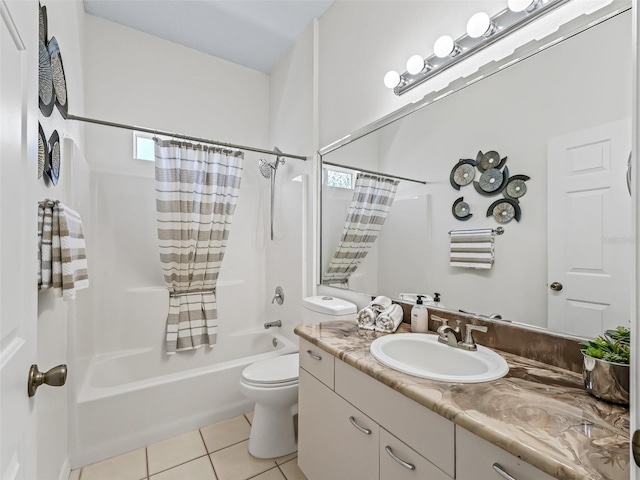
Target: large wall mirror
{"type": "Point", "coordinates": [561, 117]}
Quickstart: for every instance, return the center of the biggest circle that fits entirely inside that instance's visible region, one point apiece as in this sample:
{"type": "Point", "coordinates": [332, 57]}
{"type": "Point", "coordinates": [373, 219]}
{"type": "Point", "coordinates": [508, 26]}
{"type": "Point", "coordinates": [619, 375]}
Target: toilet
{"type": "Point", "coordinates": [273, 385]}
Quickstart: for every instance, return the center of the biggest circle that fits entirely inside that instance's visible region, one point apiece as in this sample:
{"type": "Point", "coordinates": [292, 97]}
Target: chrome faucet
{"type": "Point", "coordinates": [279, 296]}
{"type": "Point", "coordinates": [453, 336]}
{"type": "Point", "coordinates": [277, 323]}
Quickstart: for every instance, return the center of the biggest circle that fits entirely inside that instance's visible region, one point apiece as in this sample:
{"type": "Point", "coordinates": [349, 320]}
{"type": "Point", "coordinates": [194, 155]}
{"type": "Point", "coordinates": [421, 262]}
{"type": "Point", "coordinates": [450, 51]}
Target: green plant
{"type": "Point", "coordinates": [613, 346]}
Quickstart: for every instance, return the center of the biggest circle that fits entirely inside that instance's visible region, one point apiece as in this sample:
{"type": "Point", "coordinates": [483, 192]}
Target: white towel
{"type": "Point", "coordinates": [472, 248]}
{"type": "Point", "coordinates": [62, 259]}
{"type": "Point", "coordinates": [389, 320]}
{"type": "Point", "coordinates": [367, 318]}
{"type": "Point", "coordinates": [380, 303]}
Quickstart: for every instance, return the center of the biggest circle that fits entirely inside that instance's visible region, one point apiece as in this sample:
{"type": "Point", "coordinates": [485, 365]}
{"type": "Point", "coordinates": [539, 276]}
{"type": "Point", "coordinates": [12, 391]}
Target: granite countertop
{"type": "Point", "coordinates": [537, 412]}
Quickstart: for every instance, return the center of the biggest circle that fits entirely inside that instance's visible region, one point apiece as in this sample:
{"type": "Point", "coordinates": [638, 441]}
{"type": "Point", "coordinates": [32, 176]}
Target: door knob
{"type": "Point", "coordinates": [56, 377]}
{"type": "Point", "coordinates": [635, 447]}
{"type": "Point", "coordinates": [556, 286]}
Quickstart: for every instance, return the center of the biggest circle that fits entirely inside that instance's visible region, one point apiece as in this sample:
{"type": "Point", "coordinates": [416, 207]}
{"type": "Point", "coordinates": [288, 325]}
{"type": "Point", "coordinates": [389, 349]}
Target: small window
{"type": "Point", "coordinates": [339, 179]}
{"type": "Point", "coordinates": [143, 147]}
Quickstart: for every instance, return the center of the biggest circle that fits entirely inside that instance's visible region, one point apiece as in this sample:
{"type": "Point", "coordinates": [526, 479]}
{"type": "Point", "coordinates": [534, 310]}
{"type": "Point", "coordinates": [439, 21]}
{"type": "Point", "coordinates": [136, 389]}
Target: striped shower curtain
{"type": "Point", "coordinates": [196, 192]}
{"type": "Point", "coordinates": [371, 202]}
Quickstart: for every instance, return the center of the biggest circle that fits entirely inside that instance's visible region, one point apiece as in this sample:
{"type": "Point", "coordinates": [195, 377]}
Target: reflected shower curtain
{"type": "Point", "coordinates": [196, 192]}
{"type": "Point", "coordinates": [371, 202]}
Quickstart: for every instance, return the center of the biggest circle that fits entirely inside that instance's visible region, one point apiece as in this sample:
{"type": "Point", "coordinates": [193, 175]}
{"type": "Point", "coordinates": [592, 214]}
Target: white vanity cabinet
{"type": "Point", "coordinates": [335, 439]}
{"type": "Point", "coordinates": [476, 459]}
{"type": "Point", "coordinates": [398, 461]}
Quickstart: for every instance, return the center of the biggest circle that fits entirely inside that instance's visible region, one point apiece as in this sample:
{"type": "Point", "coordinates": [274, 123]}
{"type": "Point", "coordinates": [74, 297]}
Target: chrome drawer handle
{"type": "Point", "coordinates": [314, 356]}
{"type": "Point", "coordinates": [407, 465]}
{"type": "Point", "coordinates": [366, 431]}
{"type": "Point", "coordinates": [500, 471]}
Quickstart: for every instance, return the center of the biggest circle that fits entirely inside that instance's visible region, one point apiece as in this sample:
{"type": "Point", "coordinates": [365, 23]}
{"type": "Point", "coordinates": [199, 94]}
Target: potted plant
{"type": "Point", "coordinates": [606, 365]}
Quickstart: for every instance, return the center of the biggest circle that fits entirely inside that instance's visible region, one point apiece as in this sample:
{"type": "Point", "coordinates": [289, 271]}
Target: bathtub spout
{"type": "Point", "coordinates": [277, 323]}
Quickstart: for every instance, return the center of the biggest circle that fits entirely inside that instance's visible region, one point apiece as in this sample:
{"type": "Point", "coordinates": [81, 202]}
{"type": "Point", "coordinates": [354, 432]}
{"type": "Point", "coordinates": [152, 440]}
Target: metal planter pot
{"type": "Point", "coordinates": [605, 380]}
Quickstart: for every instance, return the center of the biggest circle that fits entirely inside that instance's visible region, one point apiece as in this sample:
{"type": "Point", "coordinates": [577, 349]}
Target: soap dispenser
{"type": "Point", "coordinates": [436, 301]}
{"type": "Point", "coordinates": [419, 316]}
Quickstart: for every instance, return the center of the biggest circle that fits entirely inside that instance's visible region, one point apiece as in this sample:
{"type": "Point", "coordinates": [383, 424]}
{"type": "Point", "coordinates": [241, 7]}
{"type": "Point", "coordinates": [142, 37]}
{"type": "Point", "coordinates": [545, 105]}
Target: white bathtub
{"type": "Point", "coordinates": [132, 398]}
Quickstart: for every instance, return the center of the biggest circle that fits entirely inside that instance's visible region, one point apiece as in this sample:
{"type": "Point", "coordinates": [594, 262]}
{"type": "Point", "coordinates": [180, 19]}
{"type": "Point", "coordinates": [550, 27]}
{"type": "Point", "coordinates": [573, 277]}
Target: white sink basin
{"type": "Point", "coordinates": [423, 356]}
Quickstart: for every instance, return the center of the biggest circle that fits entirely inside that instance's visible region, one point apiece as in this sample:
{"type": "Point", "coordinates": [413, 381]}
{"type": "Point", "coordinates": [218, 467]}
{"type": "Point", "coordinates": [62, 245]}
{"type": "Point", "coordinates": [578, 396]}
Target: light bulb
{"type": "Point", "coordinates": [445, 46]}
{"type": "Point", "coordinates": [392, 79]}
{"type": "Point", "coordinates": [415, 64]}
{"type": "Point", "coordinates": [480, 25]}
{"type": "Point", "coordinates": [522, 5]}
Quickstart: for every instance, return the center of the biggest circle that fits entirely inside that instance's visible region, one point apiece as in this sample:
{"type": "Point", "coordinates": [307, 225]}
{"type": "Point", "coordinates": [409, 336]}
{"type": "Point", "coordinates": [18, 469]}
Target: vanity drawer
{"type": "Point", "coordinates": [475, 458]}
{"type": "Point", "coordinates": [429, 434]}
{"type": "Point", "coordinates": [317, 362]}
{"type": "Point", "coordinates": [393, 453]}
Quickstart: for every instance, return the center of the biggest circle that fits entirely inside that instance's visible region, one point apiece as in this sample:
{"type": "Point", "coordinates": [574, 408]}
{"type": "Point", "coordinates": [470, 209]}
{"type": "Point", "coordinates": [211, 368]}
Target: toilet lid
{"type": "Point", "coordinates": [278, 370]}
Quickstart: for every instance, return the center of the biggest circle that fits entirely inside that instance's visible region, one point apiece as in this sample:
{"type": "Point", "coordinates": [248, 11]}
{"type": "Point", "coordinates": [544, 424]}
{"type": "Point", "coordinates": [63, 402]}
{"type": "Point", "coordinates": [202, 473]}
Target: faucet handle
{"type": "Point", "coordinates": [443, 321]}
{"type": "Point", "coordinates": [469, 342]}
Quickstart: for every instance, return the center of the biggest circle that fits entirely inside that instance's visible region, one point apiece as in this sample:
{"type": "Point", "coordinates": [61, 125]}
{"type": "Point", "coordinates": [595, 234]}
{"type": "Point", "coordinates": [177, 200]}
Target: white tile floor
{"type": "Point", "coordinates": [216, 452]}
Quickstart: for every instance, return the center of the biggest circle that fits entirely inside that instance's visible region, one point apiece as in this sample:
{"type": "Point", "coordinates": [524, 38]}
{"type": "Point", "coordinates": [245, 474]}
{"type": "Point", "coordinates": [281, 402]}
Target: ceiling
{"type": "Point", "coordinates": [253, 33]}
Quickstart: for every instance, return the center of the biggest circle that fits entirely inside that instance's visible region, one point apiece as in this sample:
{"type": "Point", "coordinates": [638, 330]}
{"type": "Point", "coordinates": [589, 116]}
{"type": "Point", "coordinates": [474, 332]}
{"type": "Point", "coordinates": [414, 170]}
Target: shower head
{"type": "Point", "coordinates": [265, 168]}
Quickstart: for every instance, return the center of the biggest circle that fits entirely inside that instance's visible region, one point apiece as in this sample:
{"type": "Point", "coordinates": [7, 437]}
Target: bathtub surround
{"type": "Point", "coordinates": [197, 189]}
{"type": "Point", "coordinates": [62, 257]}
{"type": "Point", "coordinates": [538, 413]}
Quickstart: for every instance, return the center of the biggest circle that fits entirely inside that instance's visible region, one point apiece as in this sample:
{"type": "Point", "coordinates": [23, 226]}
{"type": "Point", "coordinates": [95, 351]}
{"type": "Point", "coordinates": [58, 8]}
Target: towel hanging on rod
{"type": "Point", "coordinates": [472, 248]}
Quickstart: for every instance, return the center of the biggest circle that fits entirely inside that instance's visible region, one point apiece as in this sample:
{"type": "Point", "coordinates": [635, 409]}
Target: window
{"type": "Point", "coordinates": [143, 146]}
{"type": "Point", "coordinates": [339, 179]}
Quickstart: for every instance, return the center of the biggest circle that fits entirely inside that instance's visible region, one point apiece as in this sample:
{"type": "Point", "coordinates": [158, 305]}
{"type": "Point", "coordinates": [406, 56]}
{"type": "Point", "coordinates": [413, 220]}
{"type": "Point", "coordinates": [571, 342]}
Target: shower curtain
{"type": "Point", "coordinates": [196, 192]}
{"type": "Point", "coordinates": [372, 199]}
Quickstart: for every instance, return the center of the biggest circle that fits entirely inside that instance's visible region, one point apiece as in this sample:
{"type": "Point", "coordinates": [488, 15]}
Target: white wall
{"type": "Point", "coordinates": [66, 23]}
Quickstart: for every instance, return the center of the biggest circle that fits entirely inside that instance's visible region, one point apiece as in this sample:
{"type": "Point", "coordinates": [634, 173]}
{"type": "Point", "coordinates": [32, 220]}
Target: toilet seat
{"type": "Point", "coordinates": [275, 372]}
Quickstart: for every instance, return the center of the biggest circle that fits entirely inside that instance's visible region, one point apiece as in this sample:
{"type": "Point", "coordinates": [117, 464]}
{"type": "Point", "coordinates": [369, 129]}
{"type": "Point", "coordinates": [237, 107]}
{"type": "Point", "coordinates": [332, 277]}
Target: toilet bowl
{"type": "Point", "coordinates": [273, 385]}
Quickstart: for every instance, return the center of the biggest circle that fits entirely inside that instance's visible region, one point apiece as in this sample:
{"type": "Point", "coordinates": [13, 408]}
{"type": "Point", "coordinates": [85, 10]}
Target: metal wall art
{"type": "Point", "coordinates": [492, 179]}
{"type": "Point", "coordinates": [53, 165]}
{"type": "Point", "coordinates": [43, 151]}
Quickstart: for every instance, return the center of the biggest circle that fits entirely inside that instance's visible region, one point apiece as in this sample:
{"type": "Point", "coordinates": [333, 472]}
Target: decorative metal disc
{"type": "Point", "coordinates": [505, 210]}
{"type": "Point", "coordinates": [45, 82]}
{"type": "Point", "coordinates": [461, 210]}
{"type": "Point", "coordinates": [489, 160]}
{"type": "Point", "coordinates": [54, 158]}
{"type": "Point", "coordinates": [516, 188]}
{"type": "Point", "coordinates": [43, 24]}
{"type": "Point", "coordinates": [43, 151]}
{"type": "Point", "coordinates": [464, 174]}
{"type": "Point", "coordinates": [59, 80]}
{"type": "Point", "coordinates": [491, 180]}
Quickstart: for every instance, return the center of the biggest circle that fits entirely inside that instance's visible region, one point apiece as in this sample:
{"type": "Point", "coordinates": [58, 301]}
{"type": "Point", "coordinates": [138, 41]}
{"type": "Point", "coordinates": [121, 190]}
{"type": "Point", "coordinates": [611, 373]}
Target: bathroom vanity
{"type": "Point", "coordinates": [361, 420]}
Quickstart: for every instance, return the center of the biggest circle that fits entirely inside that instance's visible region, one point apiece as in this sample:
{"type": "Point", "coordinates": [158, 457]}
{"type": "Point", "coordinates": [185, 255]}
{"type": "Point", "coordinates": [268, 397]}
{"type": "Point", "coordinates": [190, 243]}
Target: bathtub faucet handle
{"type": "Point", "coordinates": [279, 296]}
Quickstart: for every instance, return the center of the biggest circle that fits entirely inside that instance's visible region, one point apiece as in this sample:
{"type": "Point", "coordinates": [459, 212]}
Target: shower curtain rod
{"type": "Point", "coordinates": [374, 173]}
{"type": "Point", "coordinates": [181, 136]}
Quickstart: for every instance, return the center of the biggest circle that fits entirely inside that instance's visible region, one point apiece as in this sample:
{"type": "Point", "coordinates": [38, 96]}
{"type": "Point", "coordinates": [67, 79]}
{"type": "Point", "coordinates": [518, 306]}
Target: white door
{"type": "Point", "coordinates": [591, 244]}
{"type": "Point", "coordinates": [18, 218]}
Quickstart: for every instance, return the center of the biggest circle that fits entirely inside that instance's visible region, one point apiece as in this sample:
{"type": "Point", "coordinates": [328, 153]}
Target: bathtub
{"type": "Point", "coordinates": [132, 398]}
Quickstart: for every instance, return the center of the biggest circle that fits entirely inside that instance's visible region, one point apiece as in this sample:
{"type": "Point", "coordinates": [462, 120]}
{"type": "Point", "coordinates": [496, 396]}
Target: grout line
{"type": "Point", "coordinates": [146, 456]}
{"type": "Point", "coordinates": [229, 446]}
{"type": "Point", "coordinates": [178, 465]}
{"type": "Point", "coordinates": [267, 470]}
{"type": "Point", "coordinates": [282, 473]}
{"type": "Point", "coordinates": [208, 455]}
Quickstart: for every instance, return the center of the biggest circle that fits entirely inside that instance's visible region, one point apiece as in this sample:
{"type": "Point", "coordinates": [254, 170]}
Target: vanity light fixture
{"type": "Point", "coordinates": [482, 31]}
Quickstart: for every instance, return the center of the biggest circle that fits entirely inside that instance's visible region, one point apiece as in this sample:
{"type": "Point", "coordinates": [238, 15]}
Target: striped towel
{"type": "Point", "coordinates": [62, 259]}
{"type": "Point", "coordinates": [472, 248]}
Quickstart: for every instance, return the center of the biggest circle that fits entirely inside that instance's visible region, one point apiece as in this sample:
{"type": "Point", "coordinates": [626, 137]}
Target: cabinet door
{"type": "Point", "coordinates": [475, 460]}
{"type": "Point", "coordinates": [399, 462]}
{"type": "Point", "coordinates": [335, 440]}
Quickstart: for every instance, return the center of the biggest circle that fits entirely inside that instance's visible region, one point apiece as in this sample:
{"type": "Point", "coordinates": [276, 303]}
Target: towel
{"type": "Point", "coordinates": [367, 318]}
{"type": "Point", "coordinates": [472, 248]}
{"type": "Point", "coordinates": [62, 257]}
{"type": "Point", "coordinates": [380, 303]}
{"type": "Point", "coordinates": [389, 320]}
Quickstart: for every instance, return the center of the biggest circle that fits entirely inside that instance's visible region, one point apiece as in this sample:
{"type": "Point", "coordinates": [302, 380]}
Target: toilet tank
{"type": "Point", "coordinates": [324, 308]}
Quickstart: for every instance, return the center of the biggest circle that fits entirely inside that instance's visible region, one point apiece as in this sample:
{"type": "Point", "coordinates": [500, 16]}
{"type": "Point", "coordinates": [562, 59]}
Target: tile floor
{"type": "Point", "coordinates": [216, 452]}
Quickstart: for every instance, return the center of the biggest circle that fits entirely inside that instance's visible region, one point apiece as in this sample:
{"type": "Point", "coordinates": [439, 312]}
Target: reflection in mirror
{"type": "Point", "coordinates": [563, 119]}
